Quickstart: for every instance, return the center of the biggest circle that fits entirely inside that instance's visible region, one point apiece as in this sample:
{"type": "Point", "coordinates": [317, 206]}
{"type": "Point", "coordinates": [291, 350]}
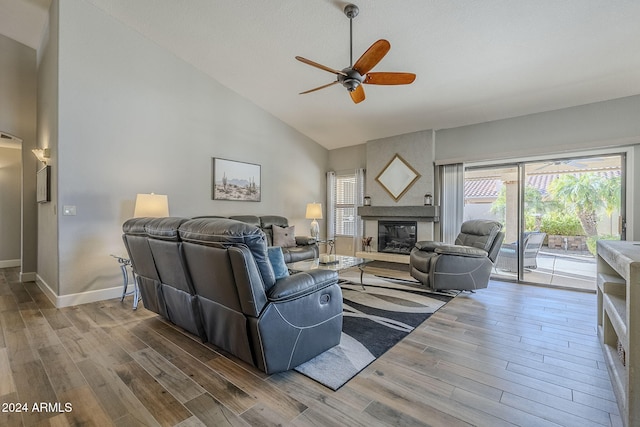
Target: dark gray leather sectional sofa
{"type": "Point", "coordinates": [212, 277]}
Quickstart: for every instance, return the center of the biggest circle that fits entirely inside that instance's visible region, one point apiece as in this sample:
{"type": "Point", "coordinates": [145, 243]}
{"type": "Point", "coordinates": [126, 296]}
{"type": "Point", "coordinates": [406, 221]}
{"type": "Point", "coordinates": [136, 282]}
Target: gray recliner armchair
{"type": "Point", "coordinates": [465, 265]}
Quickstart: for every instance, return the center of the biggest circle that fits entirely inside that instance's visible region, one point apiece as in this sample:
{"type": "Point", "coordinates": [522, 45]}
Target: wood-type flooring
{"type": "Point", "coordinates": [508, 355]}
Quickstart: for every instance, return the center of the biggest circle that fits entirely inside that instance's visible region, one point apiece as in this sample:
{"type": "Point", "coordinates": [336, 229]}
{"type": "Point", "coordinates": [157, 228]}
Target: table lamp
{"type": "Point", "coordinates": [314, 212]}
{"type": "Point", "coordinates": [151, 205]}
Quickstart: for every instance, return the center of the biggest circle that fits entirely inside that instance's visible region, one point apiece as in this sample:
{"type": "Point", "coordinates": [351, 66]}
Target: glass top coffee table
{"type": "Point", "coordinates": [342, 262]}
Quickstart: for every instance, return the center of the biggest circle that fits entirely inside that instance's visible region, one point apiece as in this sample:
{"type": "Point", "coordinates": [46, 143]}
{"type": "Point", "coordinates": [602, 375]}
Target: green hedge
{"type": "Point", "coordinates": [561, 224]}
{"type": "Point", "coordinates": [591, 241]}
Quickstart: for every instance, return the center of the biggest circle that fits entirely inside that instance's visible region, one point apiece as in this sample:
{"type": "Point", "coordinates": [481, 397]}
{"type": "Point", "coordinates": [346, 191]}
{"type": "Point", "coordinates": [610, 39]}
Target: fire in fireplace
{"type": "Point", "coordinates": [396, 237]}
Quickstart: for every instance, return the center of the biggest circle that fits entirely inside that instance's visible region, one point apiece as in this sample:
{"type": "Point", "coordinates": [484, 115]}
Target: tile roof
{"type": "Point", "coordinates": [489, 188]}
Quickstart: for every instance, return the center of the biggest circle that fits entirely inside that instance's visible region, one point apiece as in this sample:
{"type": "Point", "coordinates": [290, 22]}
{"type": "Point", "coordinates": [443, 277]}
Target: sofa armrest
{"type": "Point", "coordinates": [466, 251]}
{"type": "Point", "coordinates": [428, 245]}
{"type": "Point", "coordinates": [301, 284]}
{"type": "Point", "coordinates": [305, 241]}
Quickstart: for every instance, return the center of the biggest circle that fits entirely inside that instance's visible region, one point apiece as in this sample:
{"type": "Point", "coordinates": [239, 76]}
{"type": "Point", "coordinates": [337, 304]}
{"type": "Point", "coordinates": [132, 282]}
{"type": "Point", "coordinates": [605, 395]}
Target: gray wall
{"type": "Point", "coordinates": [48, 267]}
{"type": "Point", "coordinates": [133, 118]}
{"type": "Point", "coordinates": [348, 158]}
{"type": "Point", "coordinates": [603, 124]}
{"type": "Point", "coordinates": [611, 124]}
{"type": "Point", "coordinates": [18, 117]}
{"type": "Point", "coordinates": [417, 150]}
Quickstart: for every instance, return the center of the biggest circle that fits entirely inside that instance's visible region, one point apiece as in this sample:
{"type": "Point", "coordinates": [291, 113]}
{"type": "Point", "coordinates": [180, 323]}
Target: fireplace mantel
{"type": "Point", "coordinates": [401, 213]}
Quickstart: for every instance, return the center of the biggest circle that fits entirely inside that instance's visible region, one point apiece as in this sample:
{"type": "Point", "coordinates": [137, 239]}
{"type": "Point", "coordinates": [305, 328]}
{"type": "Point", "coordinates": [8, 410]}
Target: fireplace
{"type": "Point", "coordinates": [396, 237]}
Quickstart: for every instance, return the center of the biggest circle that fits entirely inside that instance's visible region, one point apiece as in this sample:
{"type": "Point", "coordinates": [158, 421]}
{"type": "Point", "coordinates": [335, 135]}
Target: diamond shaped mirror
{"type": "Point", "coordinates": [397, 177]}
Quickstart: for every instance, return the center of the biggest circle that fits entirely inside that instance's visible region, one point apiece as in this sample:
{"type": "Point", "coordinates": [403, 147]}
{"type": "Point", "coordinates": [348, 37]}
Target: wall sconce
{"type": "Point", "coordinates": [151, 205]}
{"type": "Point", "coordinates": [42, 154]}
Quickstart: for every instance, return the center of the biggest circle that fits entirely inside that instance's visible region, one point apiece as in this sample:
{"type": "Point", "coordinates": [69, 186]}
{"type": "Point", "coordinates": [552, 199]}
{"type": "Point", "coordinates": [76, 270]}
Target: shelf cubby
{"type": "Point", "coordinates": [618, 293]}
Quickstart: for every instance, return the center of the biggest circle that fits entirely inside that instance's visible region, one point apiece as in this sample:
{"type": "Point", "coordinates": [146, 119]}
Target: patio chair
{"type": "Point", "coordinates": [508, 256]}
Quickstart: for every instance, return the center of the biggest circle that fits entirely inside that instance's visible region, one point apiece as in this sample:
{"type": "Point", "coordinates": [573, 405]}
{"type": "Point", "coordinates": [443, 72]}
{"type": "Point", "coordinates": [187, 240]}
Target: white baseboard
{"type": "Point", "coordinates": [28, 277]}
{"type": "Point", "coordinates": [87, 297]}
{"type": "Point", "coordinates": [45, 289]}
{"type": "Point", "coordinates": [10, 263]}
{"type": "Point", "coordinates": [79, 298]}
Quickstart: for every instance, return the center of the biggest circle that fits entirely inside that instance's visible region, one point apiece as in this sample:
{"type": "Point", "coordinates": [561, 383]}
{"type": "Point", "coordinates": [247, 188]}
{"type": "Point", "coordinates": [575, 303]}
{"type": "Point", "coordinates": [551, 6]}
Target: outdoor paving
{"type": "Point", "coordinates": [571, 269]}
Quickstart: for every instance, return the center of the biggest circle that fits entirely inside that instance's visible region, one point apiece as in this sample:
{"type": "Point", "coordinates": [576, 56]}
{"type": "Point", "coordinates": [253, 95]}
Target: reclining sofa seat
{"type": "Point", "coordinates": [273, 324]}
{"type": "Point", "coordinates": [465, 265]}
{"type": "Point", "coordinates": [222, 265]}
{"type": "Point", "coordinates": [154, 248]}
{"type": "Point", "coordinates": [176, 287]}
{"type": "Point", "coordinates": [136, 242]}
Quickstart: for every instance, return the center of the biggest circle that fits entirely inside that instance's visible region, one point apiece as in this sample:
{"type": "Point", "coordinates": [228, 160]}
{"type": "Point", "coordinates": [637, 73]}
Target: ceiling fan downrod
{"type": "Point", "coordinates": [351, 10]}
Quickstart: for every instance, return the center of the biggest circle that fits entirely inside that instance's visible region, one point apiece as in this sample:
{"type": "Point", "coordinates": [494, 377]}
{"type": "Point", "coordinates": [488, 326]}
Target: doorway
{"type": "Point", "coordinates": [553, 211]}
{"type": "Point", "coordinates": [10, 200]}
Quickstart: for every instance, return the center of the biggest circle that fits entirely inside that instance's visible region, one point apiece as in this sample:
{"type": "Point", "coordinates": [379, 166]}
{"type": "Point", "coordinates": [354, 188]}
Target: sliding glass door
{"type": "Point", "coordinates": [553, 212]}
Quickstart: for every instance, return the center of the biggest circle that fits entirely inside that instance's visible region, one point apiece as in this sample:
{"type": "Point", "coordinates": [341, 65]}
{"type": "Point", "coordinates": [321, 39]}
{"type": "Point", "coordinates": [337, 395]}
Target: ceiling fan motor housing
{"type": "Point", "coordinates": [352, 80]}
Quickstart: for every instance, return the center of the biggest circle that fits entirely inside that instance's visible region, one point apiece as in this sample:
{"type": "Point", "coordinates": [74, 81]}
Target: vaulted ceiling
{"type": "Point", "coordinates": [475, 61]}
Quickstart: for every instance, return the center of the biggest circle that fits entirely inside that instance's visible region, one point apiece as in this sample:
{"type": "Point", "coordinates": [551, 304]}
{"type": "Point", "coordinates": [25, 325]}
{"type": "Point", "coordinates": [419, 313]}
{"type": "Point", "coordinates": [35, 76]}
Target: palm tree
{"type": "Point", "coordinates": [584, 194]}
{"type": "Point", "coordinates": [534, 204]}
{"type": "Point", "coordinates": [612, 194]}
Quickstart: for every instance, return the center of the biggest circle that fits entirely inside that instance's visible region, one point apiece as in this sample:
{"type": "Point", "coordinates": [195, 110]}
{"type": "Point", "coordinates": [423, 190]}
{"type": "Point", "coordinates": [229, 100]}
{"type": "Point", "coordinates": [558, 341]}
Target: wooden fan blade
{"type": "Point", "coordinates": [389, 78]}
{"type": "Point", "coordinates": [372, 56]}
{"type": "Point", "coordinates": [322, 67]}
{"type": "Point", "coordinates": [357, 95]}
{"type": "Point", "coordinates": [318, 88]}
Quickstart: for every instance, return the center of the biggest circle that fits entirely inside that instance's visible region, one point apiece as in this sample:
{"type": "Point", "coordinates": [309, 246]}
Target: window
{"type": "Point", "coordinates": [345, 192]}
{"type": "Point", "coordinates": [553, 211]}
{"type": "Point", "coordinates": [345, 197]}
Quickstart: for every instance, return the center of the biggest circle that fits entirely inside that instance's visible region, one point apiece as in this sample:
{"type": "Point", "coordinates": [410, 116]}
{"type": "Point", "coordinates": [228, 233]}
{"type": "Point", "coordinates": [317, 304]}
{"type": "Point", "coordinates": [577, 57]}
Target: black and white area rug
{"type": "Point", "coordinates": [375, 319]}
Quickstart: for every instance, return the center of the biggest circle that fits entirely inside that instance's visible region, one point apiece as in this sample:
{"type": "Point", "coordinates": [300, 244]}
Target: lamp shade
{"type": "Point", "coordinates": [151, 205]}
{"type": "Point", "coordinates": [314, 211]}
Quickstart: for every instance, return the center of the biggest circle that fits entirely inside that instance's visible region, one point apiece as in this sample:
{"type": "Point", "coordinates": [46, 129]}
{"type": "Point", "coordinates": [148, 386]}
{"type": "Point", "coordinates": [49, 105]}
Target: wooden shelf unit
{"type": "Point", "coordinates": [618, 293]}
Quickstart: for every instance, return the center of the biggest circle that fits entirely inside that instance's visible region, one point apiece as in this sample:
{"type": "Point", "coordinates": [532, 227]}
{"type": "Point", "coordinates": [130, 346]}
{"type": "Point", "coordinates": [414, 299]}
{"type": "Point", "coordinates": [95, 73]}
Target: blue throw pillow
{"type": "Point", "coordinates": [277, 261]}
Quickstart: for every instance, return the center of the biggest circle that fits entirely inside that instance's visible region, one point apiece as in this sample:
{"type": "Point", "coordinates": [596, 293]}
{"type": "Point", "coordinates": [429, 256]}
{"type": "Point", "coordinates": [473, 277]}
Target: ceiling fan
{"type": "Point", "coordinates": [355, 75]}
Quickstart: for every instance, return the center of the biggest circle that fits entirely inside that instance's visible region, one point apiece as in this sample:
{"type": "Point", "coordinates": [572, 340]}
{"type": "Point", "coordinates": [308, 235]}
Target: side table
{"type": "Point", "coordinates": [124, 264]}
{"type": "Point", "coordinates": [330, 244]}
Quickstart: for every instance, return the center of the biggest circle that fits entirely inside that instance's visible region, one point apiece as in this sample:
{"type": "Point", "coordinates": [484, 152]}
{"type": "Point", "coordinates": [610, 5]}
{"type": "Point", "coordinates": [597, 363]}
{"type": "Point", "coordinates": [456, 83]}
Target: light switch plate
{"type": "Point", "coordinates": [68, 210]}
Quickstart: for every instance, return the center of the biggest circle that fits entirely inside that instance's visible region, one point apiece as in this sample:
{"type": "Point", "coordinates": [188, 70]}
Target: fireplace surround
{"type": "Point", "coordinates": [425, 217]}
{"type": "Point", "coordinates": [397, 237]}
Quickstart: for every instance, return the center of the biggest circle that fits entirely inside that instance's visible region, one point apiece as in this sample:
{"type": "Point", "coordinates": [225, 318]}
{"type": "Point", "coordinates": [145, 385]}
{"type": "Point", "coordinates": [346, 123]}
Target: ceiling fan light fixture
{"type": "Point", "coordinates": [351, 84]}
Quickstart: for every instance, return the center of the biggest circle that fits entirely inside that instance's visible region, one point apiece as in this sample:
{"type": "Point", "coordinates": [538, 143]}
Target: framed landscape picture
{"type": "Point", "coordinates": [233, 180]}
